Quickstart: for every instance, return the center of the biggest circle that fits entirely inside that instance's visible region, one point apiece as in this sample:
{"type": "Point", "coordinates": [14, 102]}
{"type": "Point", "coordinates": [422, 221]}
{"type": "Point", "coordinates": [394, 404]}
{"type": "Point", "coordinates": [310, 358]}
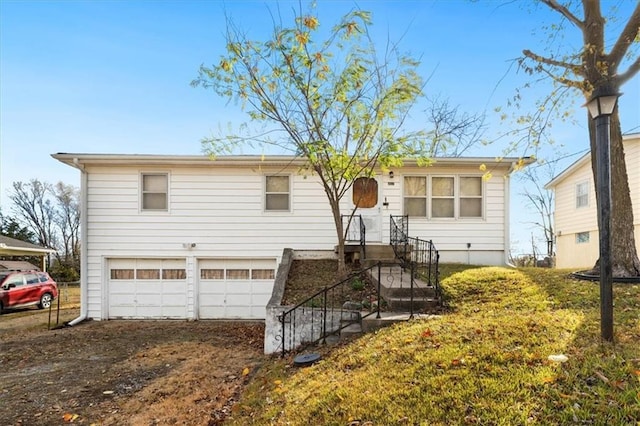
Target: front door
{"type": "Point", "coordinates": [366, 194]}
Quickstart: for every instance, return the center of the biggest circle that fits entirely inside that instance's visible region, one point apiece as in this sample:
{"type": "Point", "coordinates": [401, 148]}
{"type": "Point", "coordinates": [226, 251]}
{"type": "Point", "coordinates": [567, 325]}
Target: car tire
{"type": "Point", "coordinates": [45, 301]}
{"type": "Point", "coordinates": [1, 308]}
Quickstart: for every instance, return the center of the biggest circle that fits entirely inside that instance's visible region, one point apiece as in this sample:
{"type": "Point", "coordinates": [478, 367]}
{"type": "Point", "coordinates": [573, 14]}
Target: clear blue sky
{"type": "Point", "coordinates": [113, 76]}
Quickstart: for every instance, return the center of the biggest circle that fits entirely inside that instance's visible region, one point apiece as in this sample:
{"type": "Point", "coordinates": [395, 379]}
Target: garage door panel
{"type": "Point", "coordinates": [258, 311]}
{"type": "Point", "coordinates": [147, 295]}
{"type": "Point", "coordinates": [240, 289]}
{"type": "Point", "coordinates": [260, 299]}
{"type": "Point", "coordinates": [238, 299]}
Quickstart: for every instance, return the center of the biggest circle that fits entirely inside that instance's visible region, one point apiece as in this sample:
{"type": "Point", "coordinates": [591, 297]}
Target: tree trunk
{"type": "Point", "coordinates": [625, 260]}
{"type": "Point", "coordinates": [340, 234]}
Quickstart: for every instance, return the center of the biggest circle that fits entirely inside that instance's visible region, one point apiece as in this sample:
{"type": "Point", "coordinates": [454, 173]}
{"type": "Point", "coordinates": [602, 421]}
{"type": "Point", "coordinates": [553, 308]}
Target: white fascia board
{"type": "Point", "coordinates": [75, 159]}
{"type": "Point", "coordinates": [568, 171]}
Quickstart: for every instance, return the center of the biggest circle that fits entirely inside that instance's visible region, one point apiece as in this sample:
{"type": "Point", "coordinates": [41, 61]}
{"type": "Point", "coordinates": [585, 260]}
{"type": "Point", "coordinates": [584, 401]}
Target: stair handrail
{"type": "Point", "coordinates": [323, 294]}
{"type": "Point", "coordinates": [362, 228]}
{"type": "Point", "coordinates": [418, 255]}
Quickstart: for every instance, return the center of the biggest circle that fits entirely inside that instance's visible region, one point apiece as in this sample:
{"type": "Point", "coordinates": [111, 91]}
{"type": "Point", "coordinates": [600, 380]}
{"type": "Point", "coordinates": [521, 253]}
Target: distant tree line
{"type": "Point", "coordinates": [48, 215]}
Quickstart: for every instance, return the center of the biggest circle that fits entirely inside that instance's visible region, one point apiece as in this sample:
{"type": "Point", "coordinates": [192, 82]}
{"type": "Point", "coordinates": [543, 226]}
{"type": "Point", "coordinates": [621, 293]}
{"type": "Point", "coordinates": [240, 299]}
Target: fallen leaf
{"type": "Point", "coordinates": [408, 340]}
{"type": "Point", "coordinates": [277, 382]}
{"type": "Point", "coordinates": [619, 384]}
{"type": "Point", "coordinates": [427, 333]}
{"type": "Point", "coordinates": [548, 379]}
{"type": "Point", "coordinates": [245, 372]}
{"type": "Point", "coordinates": [69, 418]}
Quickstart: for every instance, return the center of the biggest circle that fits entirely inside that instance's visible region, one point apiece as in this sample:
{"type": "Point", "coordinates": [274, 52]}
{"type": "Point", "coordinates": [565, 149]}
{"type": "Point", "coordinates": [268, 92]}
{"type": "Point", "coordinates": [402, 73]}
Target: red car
{"type": "Point", "coordinates": [24, 288]}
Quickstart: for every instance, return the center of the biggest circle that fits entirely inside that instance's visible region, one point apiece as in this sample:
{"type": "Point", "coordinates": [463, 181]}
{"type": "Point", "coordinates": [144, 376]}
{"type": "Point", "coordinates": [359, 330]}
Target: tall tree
{"type": "Point", "coordinates": [33, 207]}
{"type": "Point", "coordinates": [51, 213]}
{"type": "Point", "coordinates": [11, 227]}
{"type": "Point", "coordinates": [593, 69]}
{"type": "Point", "coordinates": [452, 131]}
{"type": "Point", "coordinates": [67, 219]}
{"type": "Point", "coordinates": [330, 97]}
{"type": "Point", "coordinates": [540, 200]}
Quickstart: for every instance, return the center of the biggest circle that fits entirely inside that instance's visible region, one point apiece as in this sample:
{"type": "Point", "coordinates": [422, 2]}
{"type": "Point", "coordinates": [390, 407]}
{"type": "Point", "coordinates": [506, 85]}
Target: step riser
{"type": "Point", "coordinates": [418, 305]}
{"type": "Point", "coordinates": [390, 293]}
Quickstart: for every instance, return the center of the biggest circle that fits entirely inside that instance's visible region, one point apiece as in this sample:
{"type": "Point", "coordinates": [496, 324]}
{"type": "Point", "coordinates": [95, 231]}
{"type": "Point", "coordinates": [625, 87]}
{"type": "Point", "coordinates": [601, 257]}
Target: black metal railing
{"type": "Point", "coordinates": [420, 256]}
{"type": "Point", "coordinates": [330, 310]}
{"type": "Point", "coordinates": [355, 230]}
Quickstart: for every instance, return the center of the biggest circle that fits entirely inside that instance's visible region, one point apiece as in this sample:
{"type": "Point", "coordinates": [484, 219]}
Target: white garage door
{"type": "Point", "coordinates": [147, 288]}
{"type": "Point", "coordinates": [234, 288]}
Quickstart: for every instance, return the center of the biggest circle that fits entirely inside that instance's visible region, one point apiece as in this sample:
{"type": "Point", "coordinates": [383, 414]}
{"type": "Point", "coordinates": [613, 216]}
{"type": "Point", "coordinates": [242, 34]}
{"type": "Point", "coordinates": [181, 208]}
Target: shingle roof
{"type": "Point", "coordinates": [12, 243]}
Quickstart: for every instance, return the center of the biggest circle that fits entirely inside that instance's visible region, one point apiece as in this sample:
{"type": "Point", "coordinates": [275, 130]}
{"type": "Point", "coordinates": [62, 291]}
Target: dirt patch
{"type": "Point", "coordinates": [125, 372]}
{"type": "Point", "coordinates": [307, 277]}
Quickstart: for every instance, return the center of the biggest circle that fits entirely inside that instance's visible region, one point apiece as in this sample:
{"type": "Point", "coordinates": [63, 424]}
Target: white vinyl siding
{"type": "Point", "coordinates": [575, 211]}
{"type": "Point", "coordinates": [582, 194]}
{"type": "Point", "coordinates": [154, 191]}
{"type": "Point", "coordinates": [222, 211]}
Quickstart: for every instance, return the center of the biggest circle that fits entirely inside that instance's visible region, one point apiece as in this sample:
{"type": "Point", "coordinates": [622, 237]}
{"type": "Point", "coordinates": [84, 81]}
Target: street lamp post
{"type": "Point", "coordinates": [601, 107]}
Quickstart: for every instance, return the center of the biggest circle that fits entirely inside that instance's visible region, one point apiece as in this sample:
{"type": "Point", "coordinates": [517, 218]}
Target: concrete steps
{"type": "Point", "coordinates": [395, 289]}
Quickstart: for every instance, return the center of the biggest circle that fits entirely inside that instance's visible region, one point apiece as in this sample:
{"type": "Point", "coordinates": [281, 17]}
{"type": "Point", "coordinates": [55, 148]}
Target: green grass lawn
{"type": "Point", "coordinates": [485, 362]}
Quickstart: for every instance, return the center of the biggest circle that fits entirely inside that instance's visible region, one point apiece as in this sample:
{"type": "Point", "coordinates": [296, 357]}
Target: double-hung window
{"type": "Point", "coordinates": [277, 194]}
{"type": "Point", "coordinates": [582, 194]}
{"type": "Point", "coordinates": [442, 196]}
{"type": "Point", "coordinates": [415, 196]}
{"type": "Point", "coordinates": [470, 196]}
{"type": "Point", "coordinates": [155, 190]}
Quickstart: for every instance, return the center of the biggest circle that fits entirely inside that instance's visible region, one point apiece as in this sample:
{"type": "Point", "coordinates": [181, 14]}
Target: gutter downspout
{"type": "Point", "coordinates": [507, 216]}
{"type": "Point", "coordinates": [84, 294]}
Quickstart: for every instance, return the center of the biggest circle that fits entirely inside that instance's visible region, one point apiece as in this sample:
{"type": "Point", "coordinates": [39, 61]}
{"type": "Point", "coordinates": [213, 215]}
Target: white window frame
{"type": "Point", "coordinates": [442, 197]}
{"type": "Point", "coordinates": [459, 197]}
{"type": "Point", "coordinates": [582, 198]}
{"type": "Point", "coordinates": [143, 192]}
{"type": "Point", "coordinates": [425, 197]}
{"type": "Point", "coordinates": [265, 194]}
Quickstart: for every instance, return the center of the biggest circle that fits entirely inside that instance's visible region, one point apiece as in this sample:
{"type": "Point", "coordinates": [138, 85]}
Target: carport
{"type": "Point", "coordinates": [12, 247]}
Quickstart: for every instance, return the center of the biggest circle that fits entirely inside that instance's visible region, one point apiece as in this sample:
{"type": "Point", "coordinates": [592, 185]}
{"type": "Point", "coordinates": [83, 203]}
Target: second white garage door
{"type": "Point", "coordinates": [234, 288]}
{"type": "Point", "coordinates": [147, 288]}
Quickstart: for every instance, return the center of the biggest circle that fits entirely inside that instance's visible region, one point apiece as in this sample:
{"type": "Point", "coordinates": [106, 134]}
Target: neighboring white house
{"type": "Point", "coordinates": [575, 215]}
{"type": "Point", "coordinates": [188, 237]}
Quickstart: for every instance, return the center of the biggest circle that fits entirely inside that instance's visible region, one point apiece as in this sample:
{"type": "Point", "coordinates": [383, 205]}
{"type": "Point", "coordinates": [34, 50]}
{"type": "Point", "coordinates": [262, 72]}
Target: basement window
{"type": "Point", "coordinates": [582, 237]}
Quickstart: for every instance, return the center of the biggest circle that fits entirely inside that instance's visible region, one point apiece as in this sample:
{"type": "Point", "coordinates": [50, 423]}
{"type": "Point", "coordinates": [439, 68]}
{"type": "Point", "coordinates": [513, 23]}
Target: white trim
{"type": "Point", "coordinates": [252, 160]}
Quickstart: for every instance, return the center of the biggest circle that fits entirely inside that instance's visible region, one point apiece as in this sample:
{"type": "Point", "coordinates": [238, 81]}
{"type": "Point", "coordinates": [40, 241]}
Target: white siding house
{"type": "Point", "coordinates": [575, 213]}
{"type": "Point", "coordinates": [191, 238]}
